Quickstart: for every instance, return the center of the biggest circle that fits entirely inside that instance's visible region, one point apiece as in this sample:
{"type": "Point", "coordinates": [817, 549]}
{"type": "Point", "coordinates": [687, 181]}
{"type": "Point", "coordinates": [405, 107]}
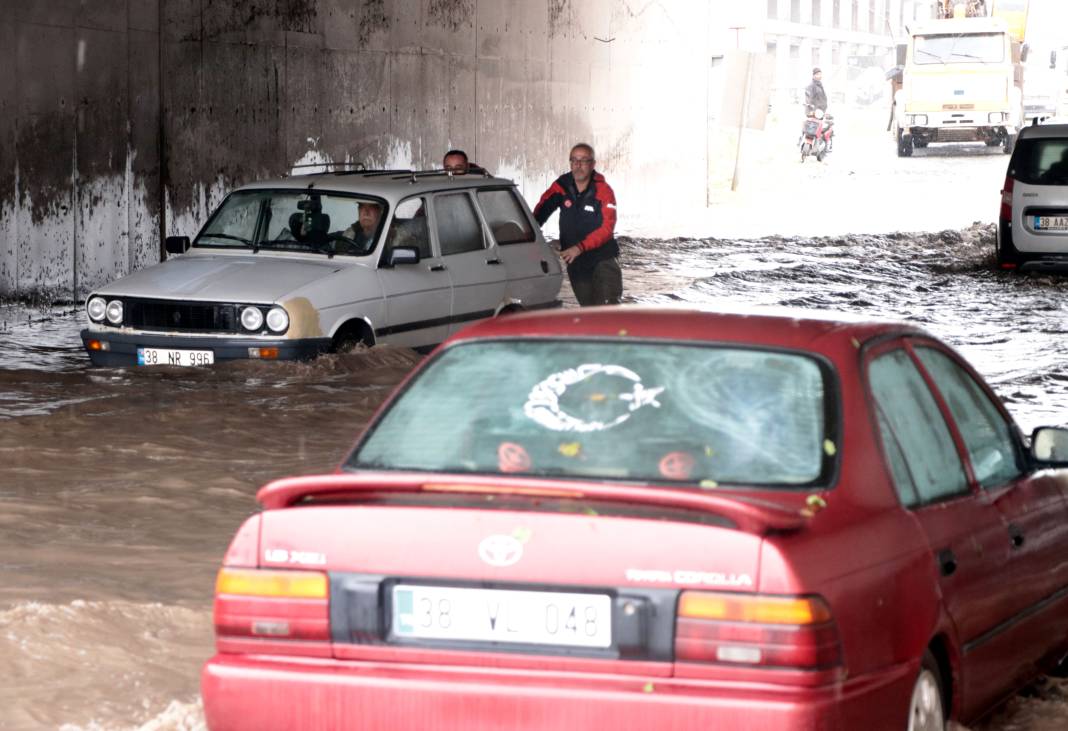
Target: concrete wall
{"type": "Point", "coordinates": [121, 120]}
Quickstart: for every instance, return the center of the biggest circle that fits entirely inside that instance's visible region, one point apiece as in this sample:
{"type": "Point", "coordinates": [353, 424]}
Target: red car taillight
{"type": "Point", "coordinates": [279, 605]}
{"type": "Point", "coordinates": [1006, 200]}
{"type": "Point", "coordinates": [756, 631]}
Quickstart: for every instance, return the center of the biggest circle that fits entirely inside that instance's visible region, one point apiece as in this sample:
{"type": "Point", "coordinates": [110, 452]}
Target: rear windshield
{"type": "Point", "coordinates": [1041, 162]}
{"type": "Point", "coordinates": [617, 410]}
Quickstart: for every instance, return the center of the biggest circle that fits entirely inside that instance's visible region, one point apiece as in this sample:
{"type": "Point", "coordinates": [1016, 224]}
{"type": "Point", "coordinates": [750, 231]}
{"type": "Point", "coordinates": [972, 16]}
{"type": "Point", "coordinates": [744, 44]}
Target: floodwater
{"type": "Point", "coordinates": [121, 487]}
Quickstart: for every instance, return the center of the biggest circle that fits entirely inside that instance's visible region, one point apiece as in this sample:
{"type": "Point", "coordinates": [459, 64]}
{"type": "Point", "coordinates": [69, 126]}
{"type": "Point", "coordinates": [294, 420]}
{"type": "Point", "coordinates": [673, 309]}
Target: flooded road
{"type": "Point", "coordinates": [121, 487]}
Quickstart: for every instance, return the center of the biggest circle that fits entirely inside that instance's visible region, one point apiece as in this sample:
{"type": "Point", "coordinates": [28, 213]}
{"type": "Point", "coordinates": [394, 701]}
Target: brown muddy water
{"type": "Point", "coordinates": [120, 488]}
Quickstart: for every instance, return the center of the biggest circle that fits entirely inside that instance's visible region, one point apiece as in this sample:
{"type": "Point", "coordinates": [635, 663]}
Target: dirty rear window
{"type": "Point", "coordinates": [617, 410]}
{"type": "Point", "coordinates": [1041, 162]}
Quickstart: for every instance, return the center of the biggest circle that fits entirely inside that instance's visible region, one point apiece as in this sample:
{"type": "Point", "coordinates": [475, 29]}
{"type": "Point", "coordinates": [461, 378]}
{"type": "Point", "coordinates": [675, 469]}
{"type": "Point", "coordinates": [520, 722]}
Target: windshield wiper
{"type": "Point", "coordinates": [932, 55]}
{"type": "Point", "coordinates": [228, 237]}
{"type": "Point", "coordinates": [968, 55]}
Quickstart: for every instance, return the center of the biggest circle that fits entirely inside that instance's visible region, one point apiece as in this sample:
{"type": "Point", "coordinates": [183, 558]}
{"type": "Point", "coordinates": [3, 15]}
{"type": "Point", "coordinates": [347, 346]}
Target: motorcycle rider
{"type": "Point", "coordinates": [816, 97]}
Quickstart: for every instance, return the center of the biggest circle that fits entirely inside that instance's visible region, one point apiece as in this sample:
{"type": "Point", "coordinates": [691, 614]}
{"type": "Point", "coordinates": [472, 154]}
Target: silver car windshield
{"type": "Point", "coordinates": [645, 411]}
{"type": "Point", "coordinates": [296, 221]}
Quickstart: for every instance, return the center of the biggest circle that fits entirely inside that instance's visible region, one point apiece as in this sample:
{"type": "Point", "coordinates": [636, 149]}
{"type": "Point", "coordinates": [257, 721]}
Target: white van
{"type": "Point", "coordinates": [295, 267]}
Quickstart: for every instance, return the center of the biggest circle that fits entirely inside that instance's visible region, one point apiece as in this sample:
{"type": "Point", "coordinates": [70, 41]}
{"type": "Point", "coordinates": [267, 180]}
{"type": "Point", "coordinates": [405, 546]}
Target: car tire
{"type": "Point", "coordinates": [351, 335]}
{"type": "Point", "coordinates": [927, 703]}
{"type": "Point", "coordinates": [1010, 144]}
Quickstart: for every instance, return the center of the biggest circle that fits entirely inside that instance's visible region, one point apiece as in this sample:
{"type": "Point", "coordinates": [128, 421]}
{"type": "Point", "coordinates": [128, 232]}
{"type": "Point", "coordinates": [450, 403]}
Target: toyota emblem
{"type": "Point", "coordinates": [500, 550]}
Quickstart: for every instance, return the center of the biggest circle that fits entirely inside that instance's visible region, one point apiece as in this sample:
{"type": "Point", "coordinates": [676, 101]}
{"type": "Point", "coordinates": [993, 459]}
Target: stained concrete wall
{"type": "Point", "coordinates": [122, 120]}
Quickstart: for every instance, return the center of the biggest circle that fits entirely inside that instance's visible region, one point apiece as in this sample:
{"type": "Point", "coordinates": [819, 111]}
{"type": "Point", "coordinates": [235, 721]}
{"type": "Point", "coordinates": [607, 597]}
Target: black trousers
{"type": "Point", "coordinates": [602, 286]}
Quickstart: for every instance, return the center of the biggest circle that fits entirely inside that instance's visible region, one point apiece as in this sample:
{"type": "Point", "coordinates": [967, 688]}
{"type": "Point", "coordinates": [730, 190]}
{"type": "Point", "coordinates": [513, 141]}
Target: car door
{"type": "Point", "coordinates": [470, 257]}
{"type": "Point", "coordinates": [967, 534]}
{"type": "Point", "coordinates": [1031, 505]}
{"type": "Point", "coordinates": [418, 296]}
{"type": "Point", "coordinates": [533, 269]}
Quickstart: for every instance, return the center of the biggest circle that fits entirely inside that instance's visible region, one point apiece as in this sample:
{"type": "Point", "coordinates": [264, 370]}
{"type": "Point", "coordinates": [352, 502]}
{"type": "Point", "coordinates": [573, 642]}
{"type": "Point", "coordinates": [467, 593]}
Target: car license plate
{"type": "Point", "coordinates": [1051, 223]}
{"type": "Point", "coordinates": [169, 356]}
{"type": "Point", "coordinates": [497, 615]}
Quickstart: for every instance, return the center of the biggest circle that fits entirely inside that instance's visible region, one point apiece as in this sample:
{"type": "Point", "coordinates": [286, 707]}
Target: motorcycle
{"type": "Point", "coordinates": [816, 134]}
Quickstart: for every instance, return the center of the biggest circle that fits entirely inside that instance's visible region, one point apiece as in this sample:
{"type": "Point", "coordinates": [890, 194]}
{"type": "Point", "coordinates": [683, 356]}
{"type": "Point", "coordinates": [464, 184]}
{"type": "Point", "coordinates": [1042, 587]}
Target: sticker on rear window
{"type": "Point", "coordinates": [591, 397]}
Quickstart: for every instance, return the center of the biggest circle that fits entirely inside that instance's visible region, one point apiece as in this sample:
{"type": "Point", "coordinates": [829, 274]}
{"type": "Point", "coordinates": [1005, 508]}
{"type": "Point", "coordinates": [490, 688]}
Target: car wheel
{"type": "Point", "coordinates": [351, 335]}
{"type": "Point", "coordinates": [927, 706]}
{"type": "Point", "coordinates": [1010, 144]}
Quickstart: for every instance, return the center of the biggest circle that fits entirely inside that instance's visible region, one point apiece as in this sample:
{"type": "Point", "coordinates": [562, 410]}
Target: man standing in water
{"type": "Point", "coordinates": [587, 225]}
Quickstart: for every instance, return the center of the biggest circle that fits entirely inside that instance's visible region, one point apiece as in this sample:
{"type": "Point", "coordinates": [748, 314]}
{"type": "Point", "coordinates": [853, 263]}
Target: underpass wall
{"type": "Point", "coordinates": [125, 120]}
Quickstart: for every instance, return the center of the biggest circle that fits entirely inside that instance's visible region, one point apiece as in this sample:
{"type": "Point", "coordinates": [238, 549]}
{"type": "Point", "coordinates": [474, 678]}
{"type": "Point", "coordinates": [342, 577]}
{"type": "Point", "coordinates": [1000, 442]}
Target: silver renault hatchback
{"type": "Point", "coordinates": [1032, 228]}
{"type": "Point", "coordinates": [295, 267]}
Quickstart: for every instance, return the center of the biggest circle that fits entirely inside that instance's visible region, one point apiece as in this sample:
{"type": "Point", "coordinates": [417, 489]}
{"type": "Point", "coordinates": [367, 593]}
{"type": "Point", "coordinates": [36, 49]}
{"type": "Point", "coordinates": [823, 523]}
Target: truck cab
{"type": "Point", "coordinates": [960, 84]}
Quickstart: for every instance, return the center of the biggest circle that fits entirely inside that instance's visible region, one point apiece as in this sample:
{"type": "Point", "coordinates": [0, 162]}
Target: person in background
{"type": "Point", "coordinates": [456, 162]}
{"type": "Point", "coordinates": [587, 229]}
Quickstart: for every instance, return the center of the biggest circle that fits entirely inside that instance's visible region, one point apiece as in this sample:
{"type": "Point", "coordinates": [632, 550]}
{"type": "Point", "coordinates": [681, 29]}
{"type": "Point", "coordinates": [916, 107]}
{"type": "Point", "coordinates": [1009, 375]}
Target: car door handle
{"type": "Point", "coordinates": [947, 562]}
{"type": "Point", "coordinates": [1016, 536]}
{"type": "Point", "coordinates": [438, 268]}
{"type": "Point", "coordinates": [493, 261]}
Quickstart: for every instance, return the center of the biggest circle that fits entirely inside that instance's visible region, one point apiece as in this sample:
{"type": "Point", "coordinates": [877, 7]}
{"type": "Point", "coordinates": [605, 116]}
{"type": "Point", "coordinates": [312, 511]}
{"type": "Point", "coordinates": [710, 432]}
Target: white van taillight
{"type": "Point", "coordinates": [278, 605]}
{"type": "Point", "coordinates": [1006, 200]}
{"type": "Point", "coordinates": [756, 630]}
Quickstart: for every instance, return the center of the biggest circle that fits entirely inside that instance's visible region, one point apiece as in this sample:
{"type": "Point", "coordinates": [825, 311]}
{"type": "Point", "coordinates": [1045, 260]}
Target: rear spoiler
{"type": "Point", "coordinates": [758, 517]}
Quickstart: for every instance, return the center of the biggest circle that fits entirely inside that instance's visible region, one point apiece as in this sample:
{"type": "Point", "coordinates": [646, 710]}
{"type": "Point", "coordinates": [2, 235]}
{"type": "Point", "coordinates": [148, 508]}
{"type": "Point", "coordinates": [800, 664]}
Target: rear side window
{"type": "Point", "coordinates": [457, 224]}
{"type": "Point", "coordinates": [505, 216]}
{"type": "Point", "coordinates": [640, 410]}
{"type": "Point", "coordinates": [923, 458]}
{"type": "Point", "coordinates": [986, 434]}
{"type": "Point", "coordinates": [1041, 162]}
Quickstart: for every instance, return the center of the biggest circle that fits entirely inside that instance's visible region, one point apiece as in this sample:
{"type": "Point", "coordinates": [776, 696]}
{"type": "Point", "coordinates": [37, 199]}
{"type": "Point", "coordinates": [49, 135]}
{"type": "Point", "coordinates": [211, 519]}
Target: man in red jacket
{"type": "Point", "coordinates": [587, 223]}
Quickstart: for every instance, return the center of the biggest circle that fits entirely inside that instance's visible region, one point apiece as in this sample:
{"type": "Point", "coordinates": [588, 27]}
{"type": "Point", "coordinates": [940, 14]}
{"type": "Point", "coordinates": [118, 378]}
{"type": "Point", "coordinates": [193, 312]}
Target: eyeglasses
{"type": "Point", "coordinates": [582, 161]}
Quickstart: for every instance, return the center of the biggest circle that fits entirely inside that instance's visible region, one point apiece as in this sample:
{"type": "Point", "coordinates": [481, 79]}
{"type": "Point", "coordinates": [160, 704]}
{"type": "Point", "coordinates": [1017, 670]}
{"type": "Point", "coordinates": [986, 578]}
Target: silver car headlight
{"type": "Point", "coordinates": [251, 318]}
{"type": "Point", "coordinates": [114, 312]}
{"type": "Point", "coordinates": [96, 308]}
{"type": "Point", "coordinates": [277, 319]}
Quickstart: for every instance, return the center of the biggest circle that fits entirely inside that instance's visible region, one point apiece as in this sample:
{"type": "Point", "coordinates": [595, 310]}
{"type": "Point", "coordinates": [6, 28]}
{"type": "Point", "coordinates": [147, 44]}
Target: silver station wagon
{"type": "Point", "coordinates": [291, 268]}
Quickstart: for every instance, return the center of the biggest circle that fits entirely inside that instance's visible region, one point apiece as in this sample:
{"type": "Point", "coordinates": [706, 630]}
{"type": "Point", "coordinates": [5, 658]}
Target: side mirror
{"type": "Point", "coordinates": [1024, 50]}
{"type": "Point", "coordinates": [402, 255]}
{"type": "Point", "coordinates": [1053, 59]}
{"type": "Point", "coordinates": [176, 244]}
{"type": "Point", "coordinates": [1050, 444]}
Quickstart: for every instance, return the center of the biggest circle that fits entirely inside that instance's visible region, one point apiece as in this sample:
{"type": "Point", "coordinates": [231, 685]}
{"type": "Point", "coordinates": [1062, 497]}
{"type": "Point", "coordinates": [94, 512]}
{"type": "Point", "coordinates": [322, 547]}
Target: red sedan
{"type": "Point", "coordinates": [636, 518]}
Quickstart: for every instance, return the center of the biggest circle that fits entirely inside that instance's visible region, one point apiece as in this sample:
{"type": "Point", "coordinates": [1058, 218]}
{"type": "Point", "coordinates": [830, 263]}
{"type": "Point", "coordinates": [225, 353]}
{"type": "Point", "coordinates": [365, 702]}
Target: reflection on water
{"type": "Point", "coordinates": [122, 487]}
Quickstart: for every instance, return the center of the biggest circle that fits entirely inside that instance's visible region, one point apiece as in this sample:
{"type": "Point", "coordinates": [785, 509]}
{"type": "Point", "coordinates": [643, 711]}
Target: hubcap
{"type": "Point", "coordinates": [925, 709]}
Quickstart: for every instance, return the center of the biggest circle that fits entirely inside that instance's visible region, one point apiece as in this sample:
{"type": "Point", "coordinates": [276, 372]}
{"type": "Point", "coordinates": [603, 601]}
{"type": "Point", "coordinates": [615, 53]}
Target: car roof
{"type": "Point", "coordinates": [393, 185]}
{"type": "Point", "coordinates": [774, 327]}
{"type": "Point", "coordinates": [1044, 131]}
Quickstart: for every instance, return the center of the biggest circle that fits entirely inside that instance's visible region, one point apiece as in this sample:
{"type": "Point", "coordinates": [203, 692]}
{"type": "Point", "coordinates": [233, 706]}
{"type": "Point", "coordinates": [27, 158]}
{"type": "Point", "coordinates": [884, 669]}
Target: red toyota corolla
{"type": "Point", "coordinates": [632, 518]}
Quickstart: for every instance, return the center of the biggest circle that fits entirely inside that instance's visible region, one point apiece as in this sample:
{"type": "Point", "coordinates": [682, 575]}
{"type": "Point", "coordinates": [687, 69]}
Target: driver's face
{"type": "Point", "coordinates": [369, 215]}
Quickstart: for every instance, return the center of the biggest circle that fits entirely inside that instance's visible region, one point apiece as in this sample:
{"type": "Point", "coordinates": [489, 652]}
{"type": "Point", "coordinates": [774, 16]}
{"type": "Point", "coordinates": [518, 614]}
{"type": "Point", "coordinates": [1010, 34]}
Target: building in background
{"type": "Point", "coordinates": [852, 41]}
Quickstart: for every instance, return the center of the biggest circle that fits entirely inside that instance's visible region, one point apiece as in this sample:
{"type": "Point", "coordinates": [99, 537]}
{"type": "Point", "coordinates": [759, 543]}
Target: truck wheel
{"type": "Point", "coordinates": [904, 146]}
{"type": "Point", "coordinates": [1010, 144]}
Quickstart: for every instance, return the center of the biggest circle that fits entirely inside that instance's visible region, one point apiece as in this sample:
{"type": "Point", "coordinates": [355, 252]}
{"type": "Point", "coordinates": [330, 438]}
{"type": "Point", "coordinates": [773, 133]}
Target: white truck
{"type": "Point", "coordinates": [961, 83]}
